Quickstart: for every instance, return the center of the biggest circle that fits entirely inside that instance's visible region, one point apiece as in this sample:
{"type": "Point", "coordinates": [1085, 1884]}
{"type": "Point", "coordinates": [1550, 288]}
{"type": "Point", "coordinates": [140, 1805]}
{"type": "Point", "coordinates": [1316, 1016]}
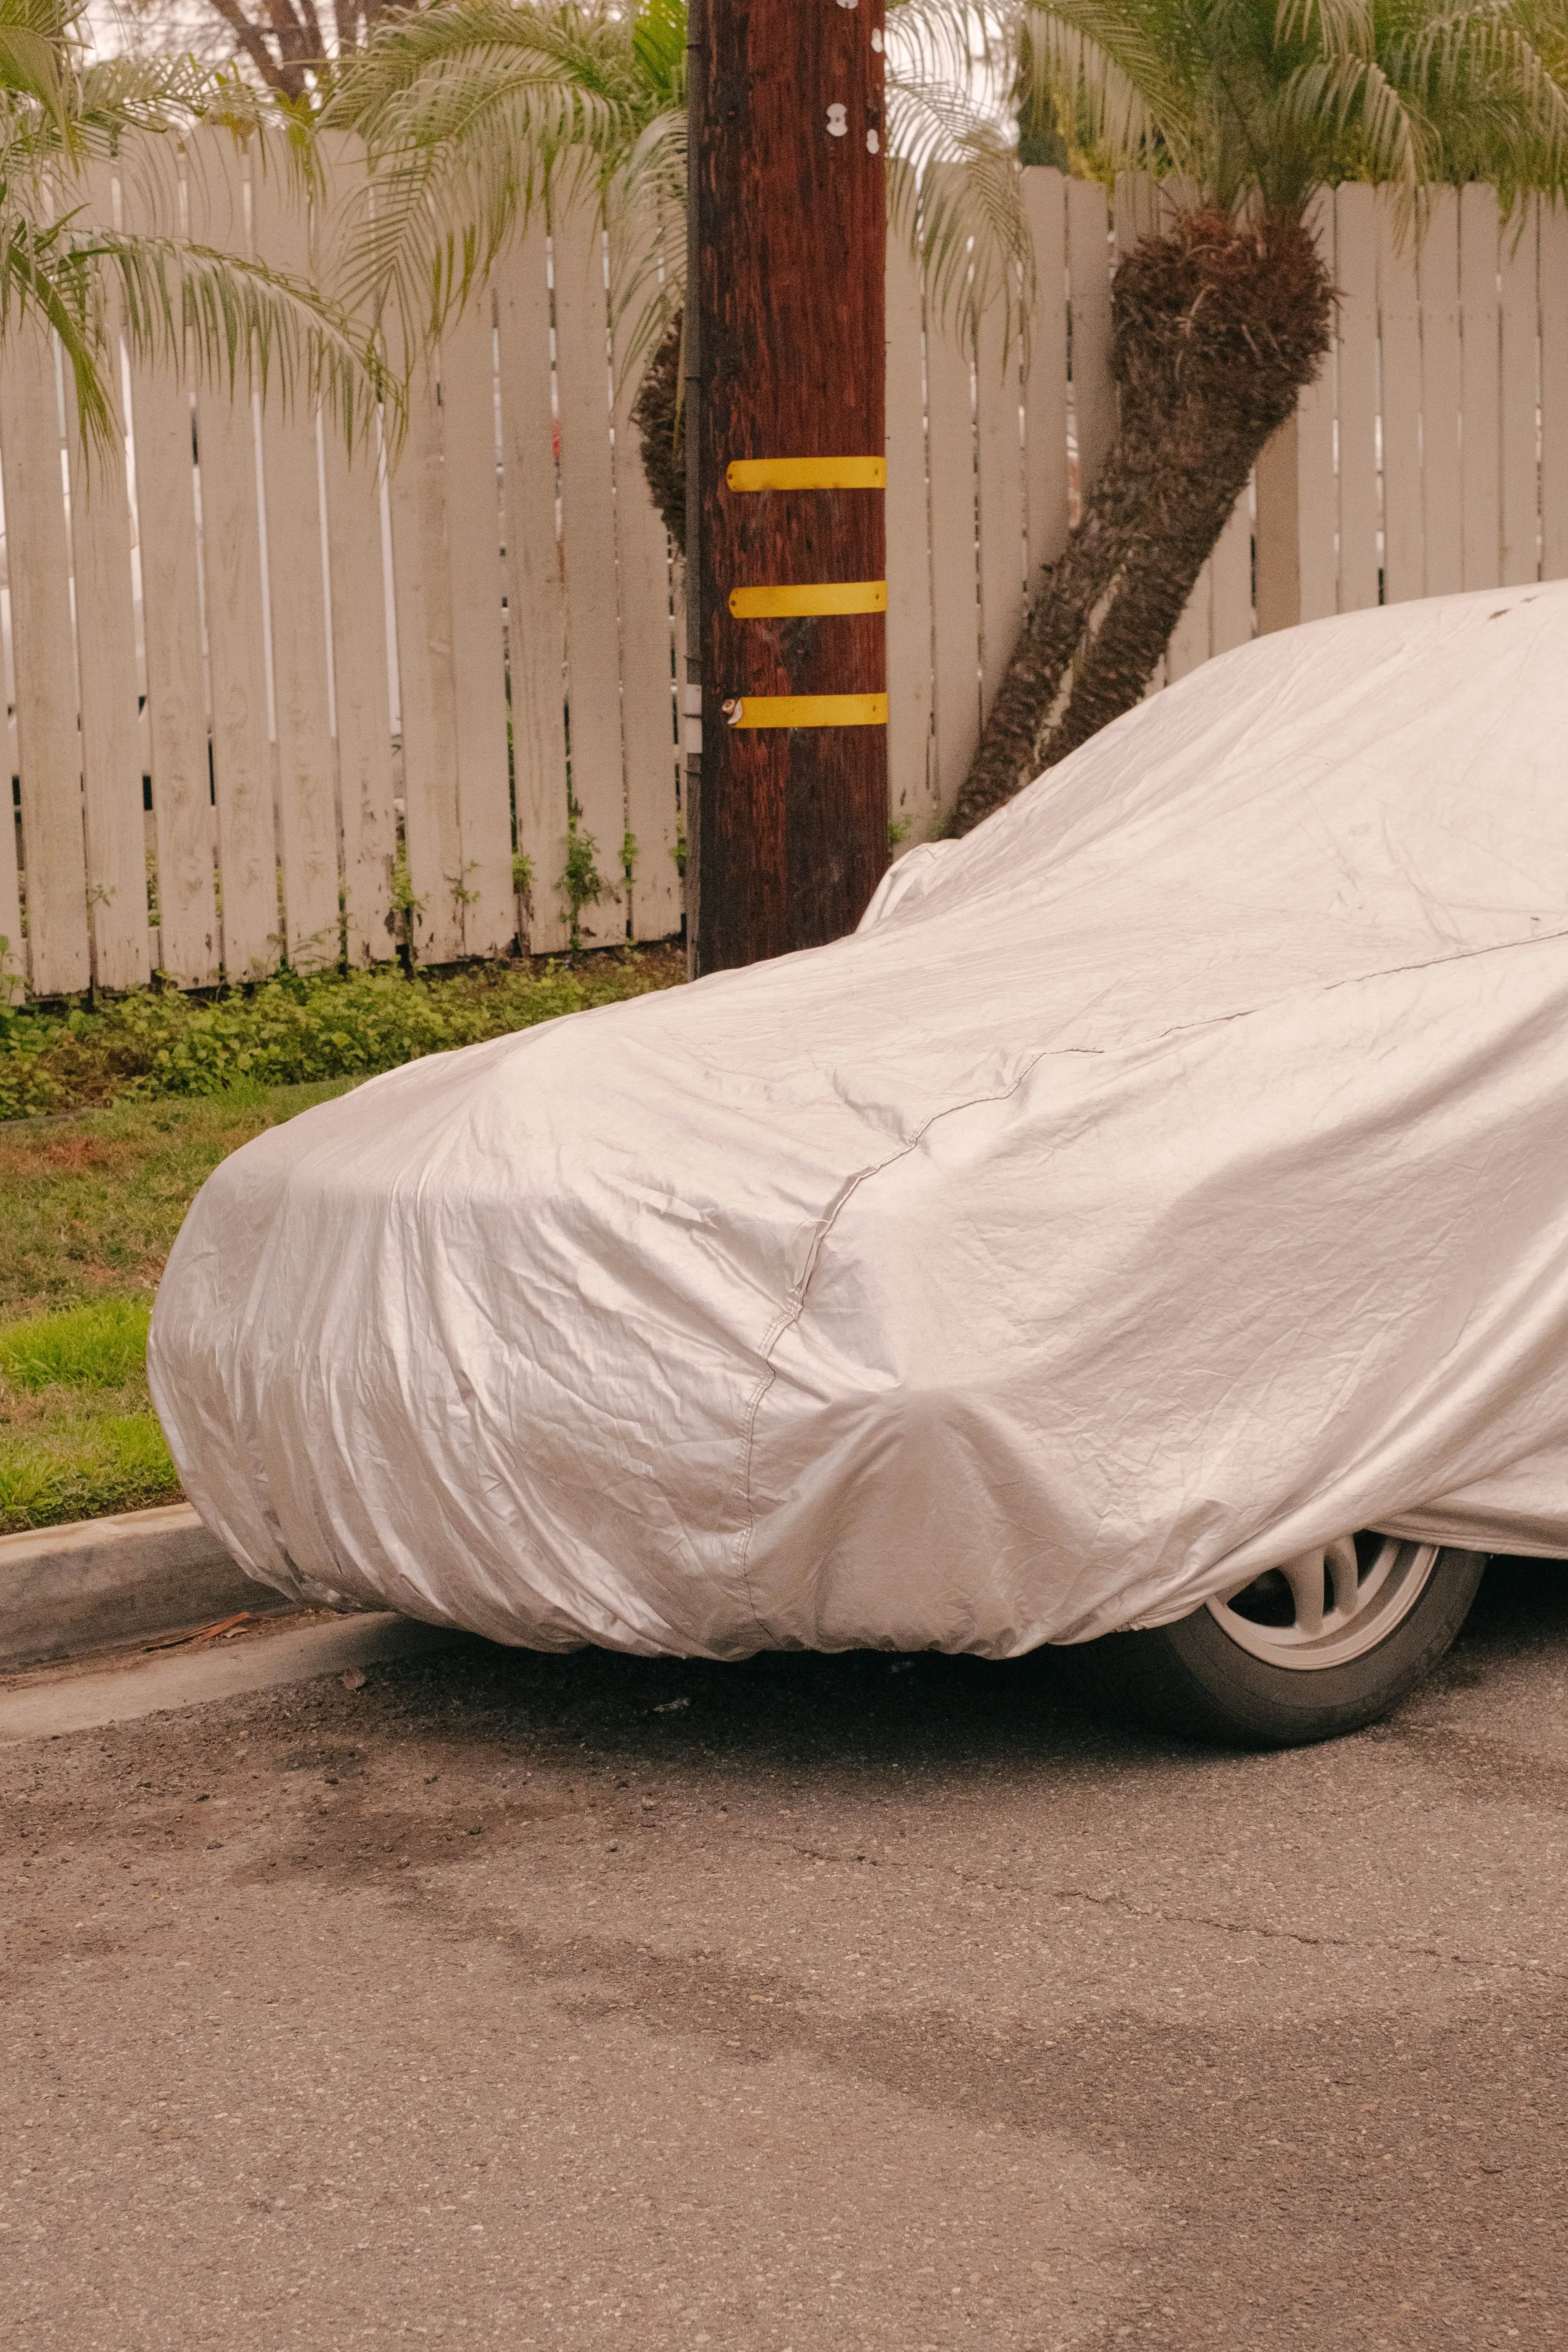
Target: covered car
{"type": "Point", "coordinates": [1155, 1216]}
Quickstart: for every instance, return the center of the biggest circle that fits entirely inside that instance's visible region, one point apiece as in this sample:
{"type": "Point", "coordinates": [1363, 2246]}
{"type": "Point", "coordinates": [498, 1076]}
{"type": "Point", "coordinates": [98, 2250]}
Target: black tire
{"type": "Point", "coordinates": [1191, 1677]}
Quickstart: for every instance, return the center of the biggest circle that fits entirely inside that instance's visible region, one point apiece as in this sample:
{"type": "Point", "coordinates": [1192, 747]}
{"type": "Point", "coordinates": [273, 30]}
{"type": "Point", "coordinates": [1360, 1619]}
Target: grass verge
{"type": "Point", "coordinates": [89, 1204]}
{"type": "Point", "coordinates": [89, 1209]}
{"type": "Point", "coordinates": [77, 1433]}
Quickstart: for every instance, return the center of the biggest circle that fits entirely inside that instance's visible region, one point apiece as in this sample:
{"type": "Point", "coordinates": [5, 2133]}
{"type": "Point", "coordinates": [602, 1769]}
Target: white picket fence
{"type": "Point", "coordinates": [359, 689]}
{"type": "Point", "coordinates": [276, 699]}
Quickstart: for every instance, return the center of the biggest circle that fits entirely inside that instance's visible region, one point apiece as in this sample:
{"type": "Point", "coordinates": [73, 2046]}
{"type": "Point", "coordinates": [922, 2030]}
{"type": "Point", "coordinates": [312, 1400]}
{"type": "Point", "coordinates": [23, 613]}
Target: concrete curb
{"type": "Point", "coordinates": [51, 1701]}
{"type": "Point", "coordinates": [101, 1585]}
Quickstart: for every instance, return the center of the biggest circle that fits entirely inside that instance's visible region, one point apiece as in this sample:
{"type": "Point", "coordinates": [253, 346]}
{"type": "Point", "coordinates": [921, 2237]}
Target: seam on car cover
{"type": "Point", "coordinates": [795, 1306]}
{"type": "Point", "coordinates": [1352, 980]}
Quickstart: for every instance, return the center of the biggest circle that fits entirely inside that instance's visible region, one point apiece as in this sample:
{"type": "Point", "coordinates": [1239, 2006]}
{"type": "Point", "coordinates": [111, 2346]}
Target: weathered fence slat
{"type": "Point", "coordinates": [1088, 279]}
{"type": "Point", "coordinates": [110, 749]}
{"type": "Point", "coordinates": [1296, 537]}
{"type": "Point", "coordinates": [183, 830]}
{"type": "Point", "coordinates": [648, 671]}
{"type": "Point", "coordinates": [48, 745]}
{"type": "Point", "coordinates": [1554, 391]}
{"type": "Point", "coordinates": [1517, 322]}
{"type": "Point", "coordinates": [1317, 507]}
{"type": "Point", "coordinates": [242, 752]}
{"type": "Point", "coordinates": [236, 669]}
{"type": "Point", "coordinates": [302, 694]}
{"type": "Point", "coordinates": [911, 783]}
{"type": "Point", "coordinates": [357, 594]}
{"type": "Point", "coordinates": [483, 888]}
{"type": "Point", "coordinates": [1000, 483]}
{"type": "Point", "coordinates": [536, 609]}
{"type": "Point", "coordinates": [1480, 471]}
{"type": "Point", "coordinates": [587, 503]}
{"type": "Point", "coordinates": [1356, 366]}
{"type": "Point", "coordinates": [954, 554]}
{"type": "Point", "coordinates": [955, 680]}
{"type": "Point", "coordinates": [426, 716]}
{"type": "Point", "coordinates": [243, 761]}
{"type": "Point", "coordinates": [1404, 537]}
{"type": "Point", "coordinates": [1046, 475]}
{"type": "Point", "coordinates": [1231, 566]}
{"type": "Point", "coordinates": [1279, 517]}
{"type": "Point", "coordinates": [1438, 268]}
{"type": "Point", "coordinates": [357, 591]}
{"type": "Point", "coordinates": [1189, 646]}
{"type": "Point", "coordinates": [106, 683]}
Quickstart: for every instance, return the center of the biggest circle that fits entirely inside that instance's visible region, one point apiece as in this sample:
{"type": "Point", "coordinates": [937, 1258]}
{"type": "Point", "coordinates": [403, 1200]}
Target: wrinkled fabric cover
{"type": "Point", "coordinates": [1167, 1177]}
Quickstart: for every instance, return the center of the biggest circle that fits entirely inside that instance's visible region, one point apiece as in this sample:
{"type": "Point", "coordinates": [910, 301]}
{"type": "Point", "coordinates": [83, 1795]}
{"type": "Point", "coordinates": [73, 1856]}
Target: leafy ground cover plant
{"type": "Point", "coordinates": [292, 1030]}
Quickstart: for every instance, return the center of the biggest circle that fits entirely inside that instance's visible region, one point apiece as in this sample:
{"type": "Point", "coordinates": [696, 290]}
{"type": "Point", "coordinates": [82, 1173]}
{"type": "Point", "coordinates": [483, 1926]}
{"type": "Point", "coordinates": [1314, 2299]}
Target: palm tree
{"type": "Point", "coordinates": [223, 315]}
{"type": "Point", "coordinates": [474, 112]}
{"type": "Point", "coordinates": [1221, 322]}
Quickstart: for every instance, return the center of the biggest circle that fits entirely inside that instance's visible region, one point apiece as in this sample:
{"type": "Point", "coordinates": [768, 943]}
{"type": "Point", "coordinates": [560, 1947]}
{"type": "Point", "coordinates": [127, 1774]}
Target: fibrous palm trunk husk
{"type": "Point", "coordinates": [660, 419]}
{"type": "Point", "coordinates": [1217, 328]}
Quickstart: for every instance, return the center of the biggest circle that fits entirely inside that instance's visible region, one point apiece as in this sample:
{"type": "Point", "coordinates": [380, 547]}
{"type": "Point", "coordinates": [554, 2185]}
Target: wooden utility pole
{"type": "Point", "coordinates": [787, 824]}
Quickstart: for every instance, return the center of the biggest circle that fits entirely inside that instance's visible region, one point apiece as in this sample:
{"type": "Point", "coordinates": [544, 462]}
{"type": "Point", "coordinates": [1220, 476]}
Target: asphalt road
{"type": "Point", "coordinates": [815, 2004]}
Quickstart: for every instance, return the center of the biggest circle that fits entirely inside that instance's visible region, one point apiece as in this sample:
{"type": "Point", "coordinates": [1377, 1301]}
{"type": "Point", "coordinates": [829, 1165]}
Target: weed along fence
{"type": "Point", "coordinates": [266, 702]}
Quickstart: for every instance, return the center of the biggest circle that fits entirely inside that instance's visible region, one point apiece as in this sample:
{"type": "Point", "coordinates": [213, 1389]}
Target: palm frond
{"type": "Point", "coordinates": [645, 211]}
{"type": "Point", "coordinates": [471, 111]}
{"type": "Point", "coordinates": [41, 283]}
{"type": "Point", "coordinates": [475, 111]}
{"type": "Point", "coordinates": [30, 68]}
{"type": "Point", "coordinates": [1343, 27]}
{"type": "Point", "coordinates": [233, 321]}
{"type": "Point", "coordinates": [1121, 88]}
{"type": "Point", "coordinates": [215, 313]}
{"type": "Point", "coordinates": [1268, 99]}
{"type": "Point", "coordinates": [952, 191]}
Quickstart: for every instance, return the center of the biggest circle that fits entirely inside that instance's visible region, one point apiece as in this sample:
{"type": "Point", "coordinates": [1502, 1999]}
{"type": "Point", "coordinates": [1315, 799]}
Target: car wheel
{"type": "Point", "coordinates": [1321, 1645]}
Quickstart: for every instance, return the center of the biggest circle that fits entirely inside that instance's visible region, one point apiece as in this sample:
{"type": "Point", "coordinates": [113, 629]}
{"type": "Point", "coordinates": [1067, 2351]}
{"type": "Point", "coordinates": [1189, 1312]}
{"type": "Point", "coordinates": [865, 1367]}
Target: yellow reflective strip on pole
{"type": "Point", "coordinates": [808, 710]}
{"type": "Point", "coordinates": [807, 473]}
{"type": "Point", "coordinates": [810, 596]}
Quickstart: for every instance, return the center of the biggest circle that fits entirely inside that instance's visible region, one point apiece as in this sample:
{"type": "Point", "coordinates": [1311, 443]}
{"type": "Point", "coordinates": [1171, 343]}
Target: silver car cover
{"type": "Point", "coordinates": [1169, 1176]}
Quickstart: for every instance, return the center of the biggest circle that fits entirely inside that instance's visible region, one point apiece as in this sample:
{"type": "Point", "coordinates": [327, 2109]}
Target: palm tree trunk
{"type": "Point", "coordinates": [1217, 328]}
{"type": "Point", "coordinates": [660, 418]}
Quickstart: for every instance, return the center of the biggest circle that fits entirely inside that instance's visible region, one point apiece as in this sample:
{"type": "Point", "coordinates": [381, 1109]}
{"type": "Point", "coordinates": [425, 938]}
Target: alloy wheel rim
{"type": "Point", "coordinates": [1324, 1607]}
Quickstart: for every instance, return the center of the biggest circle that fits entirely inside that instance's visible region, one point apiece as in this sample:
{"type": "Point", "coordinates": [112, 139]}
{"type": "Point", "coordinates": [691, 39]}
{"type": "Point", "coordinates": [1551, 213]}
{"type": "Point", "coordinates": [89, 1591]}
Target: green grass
{"type": "Point", "coordinates": [89, 1209]}
{"type": "Point", "coordinates": [99, 1346]}
{"type": "Point", "coordinates": [89, 1204]}
{"type": "Point", "coordinates": [71, 1462]}
{"type": "Point", "coordinates": [78, 1435]}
